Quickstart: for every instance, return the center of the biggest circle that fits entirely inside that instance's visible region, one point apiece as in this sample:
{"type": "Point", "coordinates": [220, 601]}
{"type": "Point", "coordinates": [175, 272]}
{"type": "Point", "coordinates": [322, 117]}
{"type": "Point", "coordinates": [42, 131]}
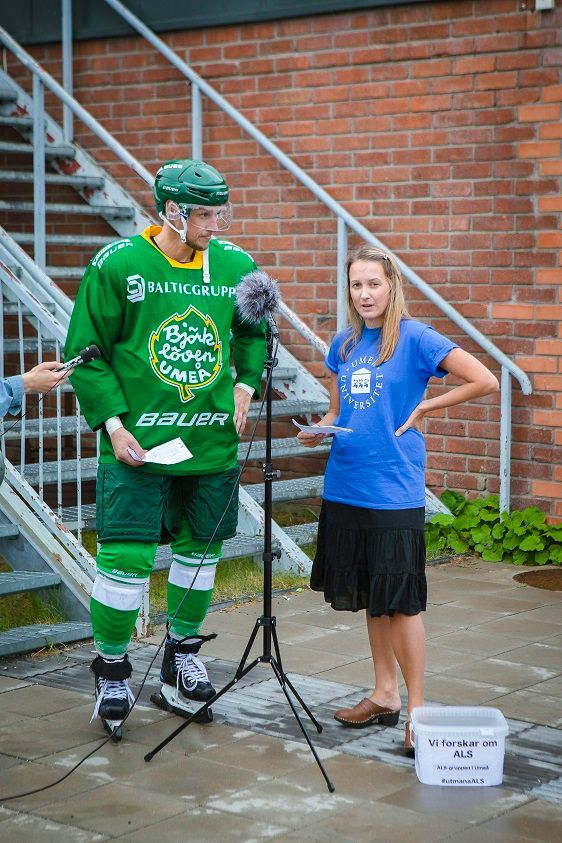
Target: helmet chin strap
{"type": "Point", "coordinates": [182, 232]}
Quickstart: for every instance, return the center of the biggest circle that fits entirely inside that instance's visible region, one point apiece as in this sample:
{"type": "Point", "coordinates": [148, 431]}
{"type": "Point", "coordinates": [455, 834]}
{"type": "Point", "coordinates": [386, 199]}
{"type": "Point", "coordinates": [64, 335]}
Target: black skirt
{"type": "Point", "coordinates": [371, 559]}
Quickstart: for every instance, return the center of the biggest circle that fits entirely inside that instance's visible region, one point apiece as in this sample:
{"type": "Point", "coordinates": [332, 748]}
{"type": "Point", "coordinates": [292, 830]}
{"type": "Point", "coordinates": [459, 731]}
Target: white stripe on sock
{"type": "Point", "coordinates": [118, 595]}
{"type": "Point", "coordinates": [186, 578]}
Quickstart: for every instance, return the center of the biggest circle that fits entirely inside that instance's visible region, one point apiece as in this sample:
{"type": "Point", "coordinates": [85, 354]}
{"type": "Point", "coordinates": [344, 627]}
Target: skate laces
{"type": "Point", "coordinates": [191, 670]}
{"type": "Point", "coordinates": [112, 689]}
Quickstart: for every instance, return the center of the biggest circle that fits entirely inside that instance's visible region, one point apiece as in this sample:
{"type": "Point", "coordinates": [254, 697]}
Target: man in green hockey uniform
{"type": "Point", "coordinates": [161, 307]}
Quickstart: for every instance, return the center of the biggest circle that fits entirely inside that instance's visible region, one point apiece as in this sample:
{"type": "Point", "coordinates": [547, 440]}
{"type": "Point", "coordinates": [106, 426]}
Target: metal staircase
{"type": "Point", "coordinates": [30, 334]}
{"type": "Point", "coordinates": [68, 186]}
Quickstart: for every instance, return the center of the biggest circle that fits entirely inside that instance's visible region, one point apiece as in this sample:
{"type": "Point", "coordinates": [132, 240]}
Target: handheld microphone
{"type": "Point", "coordinates": [91, 352]}
{"type": "Point", "coordinates": [257, 297]}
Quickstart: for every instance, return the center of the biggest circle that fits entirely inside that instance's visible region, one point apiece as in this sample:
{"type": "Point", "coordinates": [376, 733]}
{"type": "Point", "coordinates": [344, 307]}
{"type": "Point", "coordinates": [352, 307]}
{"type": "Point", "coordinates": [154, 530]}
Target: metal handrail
{"type": "Point", "coordinates": [51, 290]}
{"type": "Point", "coordinates": [45, 321]}
{"type": "Point", "coordinates": [344, 218]}
{"type": "Point", "coordinates": [322, 194]}
{"type": "Point", "coordinates": [32, 65]}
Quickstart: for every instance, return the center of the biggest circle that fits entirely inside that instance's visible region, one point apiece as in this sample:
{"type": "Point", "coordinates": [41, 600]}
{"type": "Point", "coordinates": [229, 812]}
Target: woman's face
{"type": "Point", "coordinates": [369, 290]}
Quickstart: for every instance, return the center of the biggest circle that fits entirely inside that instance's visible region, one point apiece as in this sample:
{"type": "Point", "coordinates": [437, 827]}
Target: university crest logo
{"type": "Point", "coordinates": [185, 352]}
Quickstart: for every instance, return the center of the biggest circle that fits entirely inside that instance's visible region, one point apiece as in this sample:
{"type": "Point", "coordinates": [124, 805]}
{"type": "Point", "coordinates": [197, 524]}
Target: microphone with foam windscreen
{"type": "Point", "coordinates": [257, 297]}
{"type": "Point", "coordinates": [91, 352]}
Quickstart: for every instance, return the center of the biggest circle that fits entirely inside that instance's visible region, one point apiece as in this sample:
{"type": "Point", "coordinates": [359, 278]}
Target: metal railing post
{"type": "Point", "coordinates": [196, 123]}
{"type": "Point", "coordinates": [39, 172]}
{"type": "Point", "coordinates": [505, 441]}
{"type": "Point", "coordinates": [341, 275]}
{"type": "Point", "coordinates": [68, 117]}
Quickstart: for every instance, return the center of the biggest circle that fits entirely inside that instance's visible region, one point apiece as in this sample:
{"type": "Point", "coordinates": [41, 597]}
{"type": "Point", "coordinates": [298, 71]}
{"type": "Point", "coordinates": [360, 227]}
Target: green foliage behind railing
{"type": "Point", "coordinates": [522, 537]}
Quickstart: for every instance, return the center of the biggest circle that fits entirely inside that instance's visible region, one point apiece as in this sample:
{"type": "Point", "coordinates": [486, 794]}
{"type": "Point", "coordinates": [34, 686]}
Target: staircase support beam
{"type": "Point", "coordinates": [39, 213]}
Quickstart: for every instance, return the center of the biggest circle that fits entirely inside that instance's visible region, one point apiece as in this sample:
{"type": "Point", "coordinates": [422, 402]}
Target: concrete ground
{"type": "Point", "coordinates": [250, 776]}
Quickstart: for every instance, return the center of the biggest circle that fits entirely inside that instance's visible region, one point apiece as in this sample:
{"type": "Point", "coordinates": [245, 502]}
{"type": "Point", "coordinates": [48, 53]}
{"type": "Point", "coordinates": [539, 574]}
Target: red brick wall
{"type": "Point", "coordinates": [438, 126]}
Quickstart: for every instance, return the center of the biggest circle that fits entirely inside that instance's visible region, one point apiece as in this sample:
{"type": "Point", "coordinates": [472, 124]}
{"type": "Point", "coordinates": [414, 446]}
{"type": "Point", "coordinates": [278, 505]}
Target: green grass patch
{"type": "Point", "coordinates": [237, 579]}
{"type": "Point", "coordinates": [27, 608]}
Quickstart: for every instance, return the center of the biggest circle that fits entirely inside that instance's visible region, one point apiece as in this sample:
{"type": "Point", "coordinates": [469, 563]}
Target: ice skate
{"type": "Point", "coordinates": [184, 679]}
{"type": "Point", "coordinates": [113, 695]}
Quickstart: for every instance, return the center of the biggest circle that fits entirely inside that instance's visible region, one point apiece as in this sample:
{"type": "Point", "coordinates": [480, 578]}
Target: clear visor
{"type": "Point", "coordinates": [206, 217]}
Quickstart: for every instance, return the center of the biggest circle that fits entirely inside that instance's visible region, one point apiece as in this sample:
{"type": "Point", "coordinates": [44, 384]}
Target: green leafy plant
{"type": "Point", "coordinates": [523, 537]}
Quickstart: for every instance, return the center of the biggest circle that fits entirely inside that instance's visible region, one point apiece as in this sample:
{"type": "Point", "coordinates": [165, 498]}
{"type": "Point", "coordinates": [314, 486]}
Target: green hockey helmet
{"type": "Point", "coordinates": [190, 184]}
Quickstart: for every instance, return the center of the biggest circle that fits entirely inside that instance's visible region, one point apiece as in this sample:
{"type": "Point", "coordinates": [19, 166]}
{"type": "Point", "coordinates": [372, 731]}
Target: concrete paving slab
{"type": "Point", "coordinates": [535, 821]}
{"type": "Point", "coordinates": [471, 805]}
{"type": "Point", "coordinates": [112, 809]}
{"type": "Point", "coordinates": [372, 821]}
{"type": "Point", "coordinates": [529, 629]}
{"type": "Point", "coordinates": [250, 775]}
{"type": "Point", "coordinates": [532, 707]}
{"type": "Point", "coordinates": [24, 828]}
{"type": "Point", "coordinates": [206, 825]}
{"type": "Point", "coordinates": [511, 674]}
{"type": "Point", "coordinates": [451, 690]}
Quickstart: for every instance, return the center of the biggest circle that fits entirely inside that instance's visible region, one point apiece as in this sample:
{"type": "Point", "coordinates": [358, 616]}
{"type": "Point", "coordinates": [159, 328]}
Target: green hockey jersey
{"type": "Point", "coordinates": [166, 332]}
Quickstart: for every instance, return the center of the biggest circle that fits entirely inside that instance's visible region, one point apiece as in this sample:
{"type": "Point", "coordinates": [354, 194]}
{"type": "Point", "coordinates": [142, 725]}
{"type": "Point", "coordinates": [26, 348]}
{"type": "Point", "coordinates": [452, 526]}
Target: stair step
{"type": "Point", "coordinates": [87, 520]}
{"type": "Point", "coordinates": [232, 549]}
{"type": "Point", "coordinates": [61, 151]}
{"type": "Point", "coordinates": [78, 181]}
{"type": "Point", "coordinates": [280, 408]}
{"type": "Point", "coordinates": [10, 120]}
{"type": "Point", "coordinates": [11, 308]}
{"type": "Point", "coordinates": [107, 211]}
{"type": "Point", "coordinates": [65, 271]}
{"type": "Point", "coordinates": [12, 346]}
{"type": "Point", "coordinates": [9, 531]}
{"type": "Point", "coordinates": [26, 238]}
{"type": "Point", "coordinates": [67, 426]}
{"type": "Point", "coordinates": [7, 94]}
{"type": "Point", "coordinates": [303, 534]}
{"type": "Point", "coordinates": [289, 447]}
{"type": "Point", "coordinates": [282, 447]}
{"type": "Point", "coordinates": [283, 490]}
{"type": "Point", "coordinates": [25, 639]}
{"type": "Point", "coordinates": [68, 471]}
{"type": "Point", "coordinates": [17, 581]}
{"type": "Point", "coordinates": [289, 490]}
{"type": "Point", "coordinates": [290, 407]}
{"type": "Point", "coordinates": [29, 345]}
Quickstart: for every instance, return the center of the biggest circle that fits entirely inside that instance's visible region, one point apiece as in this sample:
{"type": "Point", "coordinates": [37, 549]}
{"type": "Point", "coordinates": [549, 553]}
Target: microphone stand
{"type": "Point", "coordinates": [267, 622]}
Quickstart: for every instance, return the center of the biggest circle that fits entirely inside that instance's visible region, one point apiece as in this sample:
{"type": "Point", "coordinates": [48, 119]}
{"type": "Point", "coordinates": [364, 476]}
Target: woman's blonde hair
{"type": "Point", "coordinates": [395, 309]}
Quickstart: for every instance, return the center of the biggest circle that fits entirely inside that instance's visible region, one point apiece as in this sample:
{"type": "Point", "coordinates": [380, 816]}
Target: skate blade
{"type": "Point", "coordinates": [114, 728]}
{"type": "Point", "coordinates": [167, 699]}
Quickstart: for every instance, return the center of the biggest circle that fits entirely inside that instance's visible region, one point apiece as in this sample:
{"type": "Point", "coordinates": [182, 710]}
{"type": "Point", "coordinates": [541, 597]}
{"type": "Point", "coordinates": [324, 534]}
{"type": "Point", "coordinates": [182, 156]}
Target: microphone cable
{"type": "Point", "coordinates": [170, 621]}
{"type": "Point", "coordinates": [91, 352]}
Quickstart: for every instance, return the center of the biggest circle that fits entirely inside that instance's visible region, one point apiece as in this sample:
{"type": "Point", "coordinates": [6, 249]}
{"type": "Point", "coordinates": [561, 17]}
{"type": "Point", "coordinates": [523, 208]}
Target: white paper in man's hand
{"type": "Point", "coordinates": [326, 429]}
{"type": "Point", "coordinates": [169, 453]}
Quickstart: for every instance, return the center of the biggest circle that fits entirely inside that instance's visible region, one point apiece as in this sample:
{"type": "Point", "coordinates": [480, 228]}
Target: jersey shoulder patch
{"type": "Point", "coordinates": [227, 246]}
{"type": "Point", "coordinates": [107, 251]}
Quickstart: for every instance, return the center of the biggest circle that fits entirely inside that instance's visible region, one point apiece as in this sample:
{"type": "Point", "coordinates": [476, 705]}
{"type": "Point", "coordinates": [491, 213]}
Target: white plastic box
{"type": "Point", "coordinates": [459, 745]}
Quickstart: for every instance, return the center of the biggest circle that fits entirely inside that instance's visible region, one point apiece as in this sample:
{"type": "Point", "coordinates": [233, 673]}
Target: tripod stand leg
{"type": "Point", "coordinates": [198, 715]}
{"type": "Point", "coordinates": [282, 681]}
{"type": "Point", "coordinates": [288, 682]}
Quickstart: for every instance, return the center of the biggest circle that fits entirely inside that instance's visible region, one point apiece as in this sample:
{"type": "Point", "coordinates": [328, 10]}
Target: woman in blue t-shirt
{"type": "Point", "coordinates": [371, 548]}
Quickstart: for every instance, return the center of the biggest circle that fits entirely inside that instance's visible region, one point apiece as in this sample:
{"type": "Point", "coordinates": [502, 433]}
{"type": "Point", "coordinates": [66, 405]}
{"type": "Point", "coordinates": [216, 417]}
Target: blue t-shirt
{"type": "Point", "coordinates": [372, 467]}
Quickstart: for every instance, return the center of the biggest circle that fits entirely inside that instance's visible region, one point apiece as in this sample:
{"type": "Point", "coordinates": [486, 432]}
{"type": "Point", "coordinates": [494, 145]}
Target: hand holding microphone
{"type": "Point", "coordinates": [43, 377]}
{"type": "Point", "coordinates": [91, 352]}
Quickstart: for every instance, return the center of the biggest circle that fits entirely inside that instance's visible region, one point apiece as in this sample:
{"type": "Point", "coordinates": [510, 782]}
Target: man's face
{"type": "Point", "coordinates": [201, 223]}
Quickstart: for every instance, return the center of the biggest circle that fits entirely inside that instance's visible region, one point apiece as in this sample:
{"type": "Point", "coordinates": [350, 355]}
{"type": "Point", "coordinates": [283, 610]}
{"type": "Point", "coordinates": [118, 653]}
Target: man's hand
{"type": "Point", "coordinates": [43, 377]}
{"type": "Point", "coordinates": [121, 440]}
{"type": "Point", "coordinates": [242, 400]}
